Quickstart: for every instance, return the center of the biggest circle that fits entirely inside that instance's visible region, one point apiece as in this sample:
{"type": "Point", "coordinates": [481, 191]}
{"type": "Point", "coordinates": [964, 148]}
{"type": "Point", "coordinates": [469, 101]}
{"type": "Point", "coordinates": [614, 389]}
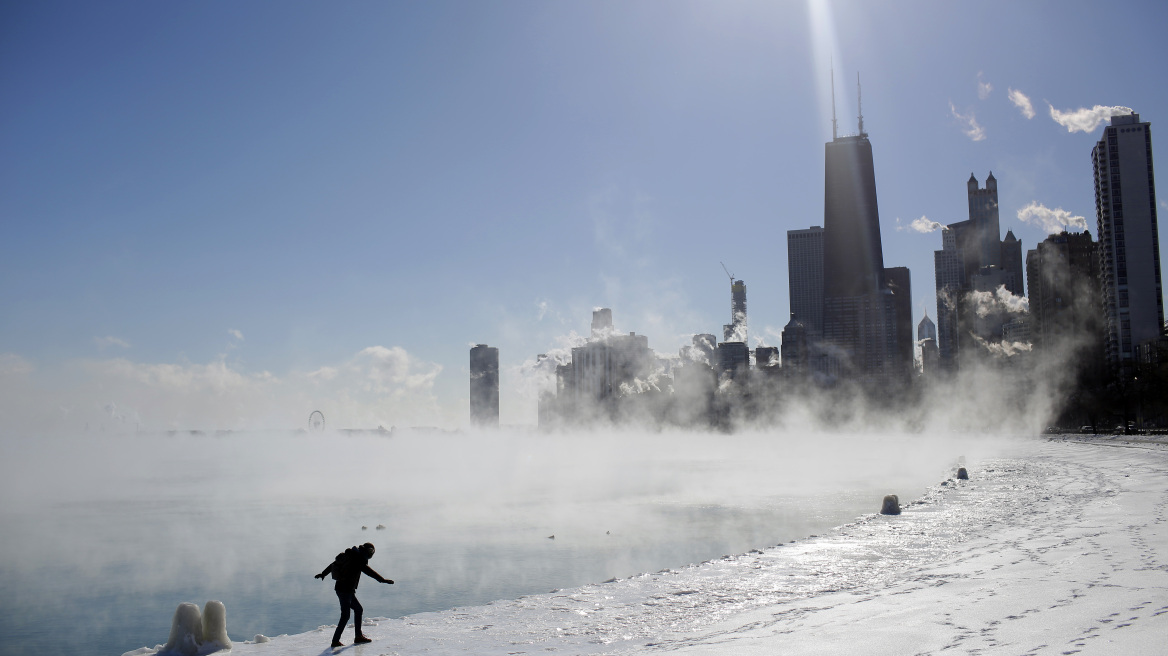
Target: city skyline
{"type": "Point", "coordinates": [337, 223]}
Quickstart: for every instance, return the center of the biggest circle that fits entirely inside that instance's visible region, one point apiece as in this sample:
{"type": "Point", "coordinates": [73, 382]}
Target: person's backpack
{"type": "Point", "coordinates": [345, 563]}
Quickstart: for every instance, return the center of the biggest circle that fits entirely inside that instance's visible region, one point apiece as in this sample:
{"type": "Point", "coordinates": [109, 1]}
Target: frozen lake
{"type": "Point", "coordinates": [103, 536]}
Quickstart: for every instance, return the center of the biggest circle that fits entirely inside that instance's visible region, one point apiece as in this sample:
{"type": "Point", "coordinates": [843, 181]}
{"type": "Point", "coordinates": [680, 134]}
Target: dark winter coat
{"type": "Point", "coordinates": [350, 576]}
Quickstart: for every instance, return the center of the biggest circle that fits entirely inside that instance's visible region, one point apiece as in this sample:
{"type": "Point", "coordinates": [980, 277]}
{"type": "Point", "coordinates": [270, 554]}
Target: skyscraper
{"type": "Point", "coordinates": [985, 234]}
{"type": "Point", "coordinates": [927, 338]}
{"type": "Point", "coordinates": [853, 262]}
{"type": "Point", "coordinates": [601, 322]}
{"type": "Point", "coordinates": [1012, 264]}
{"type": "Point", "coordinates": [735, 331]}
{"type": "Point", "coordinates": [1064, 295]}
{"type": "Point", "coordinates": [805, 277]}
{"type": "Point", "coordinates": [794, 348]}
{"type": "Point", "coordinates": [899, 285]}
{"type": "Point", "coordinates": [973, 257]}
{"type": "Point", "coordinates": [1129, 244]}
{"type": "Point", "coordinates": [484, 385]}
{"type": "Point", "coordinates": [860, 308]}
{"type": "Point", "coordinates": [948, 273]}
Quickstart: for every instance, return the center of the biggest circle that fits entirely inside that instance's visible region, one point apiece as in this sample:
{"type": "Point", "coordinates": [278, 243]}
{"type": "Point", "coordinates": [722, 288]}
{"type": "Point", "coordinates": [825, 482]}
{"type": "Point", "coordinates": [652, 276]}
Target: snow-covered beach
{"type": "Point", "coordinates": [1061, 547]}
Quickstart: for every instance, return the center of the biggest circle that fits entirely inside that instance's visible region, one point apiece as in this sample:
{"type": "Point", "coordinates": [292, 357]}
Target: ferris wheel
{"type": "Point", "coordinates": [316, 421]}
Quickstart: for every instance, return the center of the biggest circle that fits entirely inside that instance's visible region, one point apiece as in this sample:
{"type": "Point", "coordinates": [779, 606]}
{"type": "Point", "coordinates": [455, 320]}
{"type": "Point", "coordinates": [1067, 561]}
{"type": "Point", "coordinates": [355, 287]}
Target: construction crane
{"type": "Point", "coordinates": [727, 272]}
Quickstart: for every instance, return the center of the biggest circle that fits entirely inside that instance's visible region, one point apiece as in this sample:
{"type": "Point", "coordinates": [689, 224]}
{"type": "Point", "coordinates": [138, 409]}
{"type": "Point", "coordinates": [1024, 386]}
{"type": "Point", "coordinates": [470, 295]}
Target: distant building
{"type": "Point", "coordinates": [1018, 330]}
{"type": "Point", "coordinates": [927, 339]}
{"type": "Point", "coordinates": [602, 371]}
{"type": "Point", "coordinates": [861, 300]}
{"type": "Point", "coordinates": [1129, 245]}
{"type": "Point", "coordinates": [1012, 264]}
{"type": "Point", "coordinates": [1064, 293]}
{"type": "Point", "coordinates": [926, 329]}
{"type": "Point", "coordinates": [805, 277]}
{"type": "Point", "coordinates": [948, 273]}
{"type": "Point", "coordinates": [973, 258]}
{"type": "Point", "coordinates": [601, 322]}
{"type": "Point", "coordinates": [733, 359]}
{"type": "Point", "coordinates": [599, 368]}
{"type": "Point", "coordinates": [705, 349]}
{"type": "Point", "coordinates": [795, 351]}
{"type": "Point", "coordinates": [484, 386]}
{"type": "Point", "coordinates": [899, 284]}
{"type": "Point", "coordinates": [766, 356]}
{"type": "Point", "coordinates": [735, 331]}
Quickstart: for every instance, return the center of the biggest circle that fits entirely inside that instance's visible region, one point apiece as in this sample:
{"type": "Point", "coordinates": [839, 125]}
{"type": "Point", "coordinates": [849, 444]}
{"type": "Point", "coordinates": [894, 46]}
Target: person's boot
{"type": "Point", "coordinates": [360, 639]}
{"type": "Point", "coordinates": [337, 643]}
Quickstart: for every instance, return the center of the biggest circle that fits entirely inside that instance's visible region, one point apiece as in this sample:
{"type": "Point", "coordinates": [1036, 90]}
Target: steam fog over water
{"type": "Point", "coordinates": [104, 538]}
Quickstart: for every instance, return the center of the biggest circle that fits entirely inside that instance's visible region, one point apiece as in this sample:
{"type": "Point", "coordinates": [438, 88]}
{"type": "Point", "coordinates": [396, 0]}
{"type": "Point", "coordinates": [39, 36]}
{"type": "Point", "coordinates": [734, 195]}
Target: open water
{"type": "Point", "coordinates": [102, 537]}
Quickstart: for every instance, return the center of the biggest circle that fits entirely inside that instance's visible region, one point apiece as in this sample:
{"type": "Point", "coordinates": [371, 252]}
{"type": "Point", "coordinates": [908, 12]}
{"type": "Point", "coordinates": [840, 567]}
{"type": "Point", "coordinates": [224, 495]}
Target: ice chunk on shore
{"type": "Point", "coordinates": [186, 631]}
{"type": "Point", "coordinates": [215, 625]}
{"type": "Point", "coordinates": [193, 633]}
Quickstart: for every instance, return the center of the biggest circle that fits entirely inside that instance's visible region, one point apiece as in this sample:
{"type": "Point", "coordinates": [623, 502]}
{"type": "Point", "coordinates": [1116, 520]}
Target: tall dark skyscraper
{"type": "Point", "coordinates": [860, 309]}
{"type": "Point", "coordinates": [1129, 241]}
{"type": "Point", "coordinates": [1064, 295]}
{"type": "Point", "coordinates": [973, 257]}
{"type": "Point", "coordinates": [484, 385]}
{"type": "Point", "coordinates": [805, 277]}
{"type": "Point", "coordinates": [853, 261]}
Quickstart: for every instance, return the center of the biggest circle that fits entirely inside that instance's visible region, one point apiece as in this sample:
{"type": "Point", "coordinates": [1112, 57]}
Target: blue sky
{"type": "Point", "coordinates": [227, 215]}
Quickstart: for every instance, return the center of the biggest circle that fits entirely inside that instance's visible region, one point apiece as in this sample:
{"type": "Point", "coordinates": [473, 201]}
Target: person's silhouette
{"type": "Point", "coordinates": [346, 570]}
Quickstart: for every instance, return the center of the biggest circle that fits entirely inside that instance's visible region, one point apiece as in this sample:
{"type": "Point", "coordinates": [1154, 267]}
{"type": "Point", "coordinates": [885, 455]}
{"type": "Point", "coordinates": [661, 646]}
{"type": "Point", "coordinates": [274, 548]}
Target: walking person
{"type": "Point", "coordinates": [346, 570]}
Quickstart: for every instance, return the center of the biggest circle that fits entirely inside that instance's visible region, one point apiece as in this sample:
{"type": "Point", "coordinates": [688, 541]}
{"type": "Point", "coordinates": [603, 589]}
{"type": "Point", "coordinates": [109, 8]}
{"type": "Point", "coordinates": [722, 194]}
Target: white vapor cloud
{"type": "Point", "coordinates": [969, 124]}
{"type": "Point", "coordinates": [110, 340]}
{"type": "Point", "coordinates": [1086, 120]}
{"type": "Point", "coordinates": [1052, 221]}
{"type": "Point", "coordinates": [12, 364]}
{"type": "Point", "coordinates": [983, 88]}
{"type": "Point", "coordinates": [1022, 102]}
{"type": "Point", "coordinates": [1000, 300]}
{"type": "Point", "coordinates": [235, 333]}
{"type": "Point", "coordinates": [923, 225]}
{"type": "Point", "coordinates": [378, 385]}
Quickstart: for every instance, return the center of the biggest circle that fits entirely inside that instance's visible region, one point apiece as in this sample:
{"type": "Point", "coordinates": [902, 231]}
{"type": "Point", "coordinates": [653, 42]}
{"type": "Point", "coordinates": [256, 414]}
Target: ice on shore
{"type": "Point", "coordinates": [1061, 548]}
{"type": "Point", "coordinates": [193, 633]}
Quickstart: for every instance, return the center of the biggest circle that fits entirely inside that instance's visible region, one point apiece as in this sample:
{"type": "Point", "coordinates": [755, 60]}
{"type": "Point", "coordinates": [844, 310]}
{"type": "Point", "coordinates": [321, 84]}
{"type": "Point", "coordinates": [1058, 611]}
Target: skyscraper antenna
{"type": "Point", "coordinates": [834, 125]}
{"type": "Point", "coordinates": [860, 103]}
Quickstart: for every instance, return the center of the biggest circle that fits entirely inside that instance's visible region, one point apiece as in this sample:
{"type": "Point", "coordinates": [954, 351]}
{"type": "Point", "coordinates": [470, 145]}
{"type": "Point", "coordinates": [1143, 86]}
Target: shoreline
{"type": "Point", "coordinates": [969, 565]}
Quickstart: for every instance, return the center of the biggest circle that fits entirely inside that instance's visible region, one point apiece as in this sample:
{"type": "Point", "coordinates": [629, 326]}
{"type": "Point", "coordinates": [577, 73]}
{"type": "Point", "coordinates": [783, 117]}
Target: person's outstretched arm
{"type": "Point", "coordinates": [324, 573]}
{"type": "Point", "coordinates": [376, 577]}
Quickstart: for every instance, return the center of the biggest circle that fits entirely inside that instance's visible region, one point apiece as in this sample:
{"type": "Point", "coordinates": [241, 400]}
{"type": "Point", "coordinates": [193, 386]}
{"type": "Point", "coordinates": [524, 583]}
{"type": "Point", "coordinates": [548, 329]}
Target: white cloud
{"type": "Point", "coordinates": [12, 364]}
{"type": "Point", "coordinates": [969, 124]}
{"type": "Point", "coordinates": [922, 225]}
{"type": "Point", "coordinates": [1022, 102]}
{"type": "Point", "coordinates": [1086, 120]}
{"type": "Point", "coordinates": [389, 370]}
{"type": "Point", "coordinates": [235, 333]}
{"type": "Point", "coordinates": [109, 340]}
{"type": "Point", "coordinates": [1052, 221]}
{"type": "Point", "coordinates": [983, 88]}
{"type": "Point", "coordinates": [378, 385]}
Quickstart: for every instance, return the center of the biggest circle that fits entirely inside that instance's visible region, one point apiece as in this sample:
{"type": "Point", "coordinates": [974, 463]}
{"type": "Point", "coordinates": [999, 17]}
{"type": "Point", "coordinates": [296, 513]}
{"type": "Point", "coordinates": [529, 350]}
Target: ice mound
{"type": "Point", "coordinates": [891, 505]}
{"type": "Point", "coordinates": [215, 625]}
{"type": "Point", "coordinates": [193, 633]}
{"type": "Point", "coordinates": [186, 631]}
